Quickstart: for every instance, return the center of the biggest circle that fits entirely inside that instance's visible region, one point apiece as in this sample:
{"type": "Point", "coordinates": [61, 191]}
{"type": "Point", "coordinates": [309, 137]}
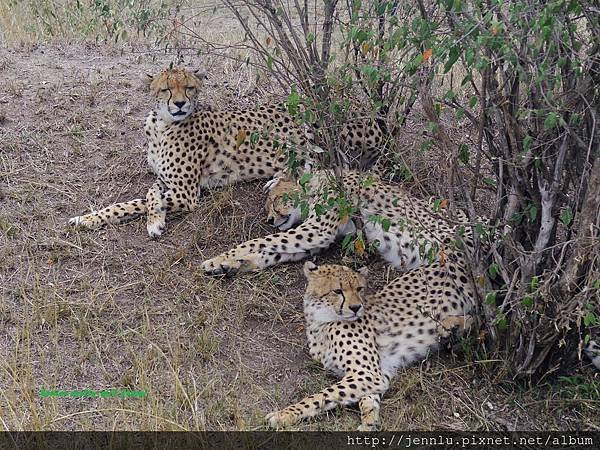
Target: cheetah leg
{"type": "Point", "coordinates": [254, 262]}
{"type": "Point", "coordinates": [369, 412]}
{"type": "Point", "coordinates": [160, 200]}
{"type": "Point", "coordinates": [113, 214]}
{"type": "Point", "coordinates": [316, 233]}
{"type": "Point", "coordinates": [345, 392]}
{"type": "Point", "coordinates": [157, 212]}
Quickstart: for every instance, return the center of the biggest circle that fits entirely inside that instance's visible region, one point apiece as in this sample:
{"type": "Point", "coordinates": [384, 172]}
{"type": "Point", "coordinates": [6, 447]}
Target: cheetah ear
{"type": "Point", "coordinates": [309, 268]}
{"type": "Point", "coordinates": [364, 271]}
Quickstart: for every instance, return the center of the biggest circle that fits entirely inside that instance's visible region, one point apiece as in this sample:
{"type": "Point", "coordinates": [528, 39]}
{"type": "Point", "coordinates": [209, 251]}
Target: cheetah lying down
{"type": "Point", "coordinates": [418, 232]}
{"type": "Point", "coordinates": [364, 341]}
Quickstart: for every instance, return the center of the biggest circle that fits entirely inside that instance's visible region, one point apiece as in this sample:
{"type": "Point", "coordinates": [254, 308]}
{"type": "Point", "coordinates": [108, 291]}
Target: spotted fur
{"type": "Point", "coordinates": [365, 340]}
{"type": "Point", "coordinates": [416, 235]}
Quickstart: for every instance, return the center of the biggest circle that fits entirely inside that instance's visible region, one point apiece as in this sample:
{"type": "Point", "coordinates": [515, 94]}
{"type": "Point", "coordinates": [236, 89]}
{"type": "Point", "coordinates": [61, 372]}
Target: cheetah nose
{"type": "Point", "coordinates": [179, 104]}
{"type": "Point", "coordinates": [355, 308]}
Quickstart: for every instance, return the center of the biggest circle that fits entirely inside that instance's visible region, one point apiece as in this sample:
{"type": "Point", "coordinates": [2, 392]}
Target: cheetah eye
{"type": "Point", "coordinates": [164, 90]}
{"type": "Point", "coordinates": [360, 288]}
{"type": "Point", "coordinates": [338, 291]}
{"type": "Point", "coordinates": [190, 88]}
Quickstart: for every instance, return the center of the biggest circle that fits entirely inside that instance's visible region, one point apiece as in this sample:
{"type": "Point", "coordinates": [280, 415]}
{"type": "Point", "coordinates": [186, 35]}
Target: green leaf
{"type": "Point", "coordinates": [516, 218]}
{"type": "Point", "coordinates": [489, 181]}
{"type": "Point", "coordinates": [527, 141]}
{"type": "Point", "coordinates": [535, 282]}
{"type": "Point", "coordinates": [385, 224]}
{"type": "Point", "coordinates": [463, 153]}
{"type": "Point", "coordinates": [472, 101]}
{"type": "Point", "coordinates": [501, 321]}
{"type": "Point", "coordinates": [527, 302]}
{"type": "Point", "coordinates": [493, 271]}
{"type": "Point", "coordinates": [450, 94]}
{"type": "Point", "coordinates": [566, 216]}
{"type": "Point", "coordinates": [308, 116]}
{"type": "Point", "coordinates": [490, 298]}
{"type": "Point", "coordinates": [453, 56]}
{"type": "Point", "coordinates": [303, 210]}
{"type": "Point", "coordinates": [590, 319]}
{"type": "Point", "coordinates": [414, 64]}
{"type": "Point", "coordinates": [270, 62]}
{"type": "Point", "coordinates": [320, 209]}
{"type": "Point", "coordinates": [371, 72]}
{"type": "Point", "coordinates": [293, 101]}
{"type": "Point", "coordinates": [466, 79]}
{"type": "Point", "coordinates": [533, 212]}
{"type": "Point", "coordinates": [551, 121]}
{"type": "Point", "coordinates": [469, 56]}
{"type": "Point", "coordinates": [348, 239]}
{"type": "Point", "coordinates": [305, 178]}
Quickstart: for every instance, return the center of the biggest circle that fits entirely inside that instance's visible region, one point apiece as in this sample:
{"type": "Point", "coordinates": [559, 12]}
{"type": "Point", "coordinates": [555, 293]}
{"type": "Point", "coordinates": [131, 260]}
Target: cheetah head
{"type": "Point", "coordinates": [175, 92]}
{"type": "Point", "coordinates": [333, 293]}
{"type": "Point", "coordinates": [281, 212]}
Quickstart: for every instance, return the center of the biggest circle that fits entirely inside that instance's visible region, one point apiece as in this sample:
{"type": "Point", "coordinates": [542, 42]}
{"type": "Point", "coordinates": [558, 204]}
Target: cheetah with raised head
{"type": "Point", "coordinates": [190, 149]}
{"type": "Point", "coordinates": [415, 233]}
{"type": "Point", "coordinates": [365, 340]}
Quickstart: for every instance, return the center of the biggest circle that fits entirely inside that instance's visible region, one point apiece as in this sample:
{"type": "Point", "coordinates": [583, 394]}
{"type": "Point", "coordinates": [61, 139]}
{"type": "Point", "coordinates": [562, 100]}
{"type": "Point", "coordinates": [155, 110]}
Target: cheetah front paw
{"type": "Point", "coordinates": [155, 228]}
{"type": "Point", "coordinates": [86, 221]}
{"type": "Point", "coordinates": [282, 419]}
{"type": "Point", "coordinates": [221, 265]}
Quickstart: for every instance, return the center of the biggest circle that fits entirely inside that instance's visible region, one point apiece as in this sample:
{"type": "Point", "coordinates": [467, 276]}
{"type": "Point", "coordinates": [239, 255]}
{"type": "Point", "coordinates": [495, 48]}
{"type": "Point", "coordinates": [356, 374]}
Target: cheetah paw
{"type": "Point", "coordinates": [84, 222]}
{"type": "Point", "coordinates": [221, 265]}
{"type": "Point", "coordinates": [281, 419]}
{"type": "Point", "coordinates": [155, 229]}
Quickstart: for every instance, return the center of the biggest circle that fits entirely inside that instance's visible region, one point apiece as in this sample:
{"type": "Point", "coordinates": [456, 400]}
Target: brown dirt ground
{"type": "Point", "coordinates": [114, 309]}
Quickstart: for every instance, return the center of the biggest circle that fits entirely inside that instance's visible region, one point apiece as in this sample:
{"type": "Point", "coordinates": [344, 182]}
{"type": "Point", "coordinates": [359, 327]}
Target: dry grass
{"type": "Point", "coordinates": [114, 309]}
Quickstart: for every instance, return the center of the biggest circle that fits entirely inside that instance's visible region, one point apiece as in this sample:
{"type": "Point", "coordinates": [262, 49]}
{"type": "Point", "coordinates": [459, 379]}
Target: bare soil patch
{"type": "Point", "coordinates": [114, 309]}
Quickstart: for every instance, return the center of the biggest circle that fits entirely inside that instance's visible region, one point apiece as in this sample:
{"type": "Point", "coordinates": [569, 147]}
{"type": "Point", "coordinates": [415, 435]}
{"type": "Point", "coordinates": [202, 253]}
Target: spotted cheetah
{"type": "Point", "coordinates": [592, 350]}
{"type": "Point", "coordinates": [190, 149]}
{"type": "Point", "coordinates": [365, 340]}
{"type": "Point", "coordinates": [408, 232]}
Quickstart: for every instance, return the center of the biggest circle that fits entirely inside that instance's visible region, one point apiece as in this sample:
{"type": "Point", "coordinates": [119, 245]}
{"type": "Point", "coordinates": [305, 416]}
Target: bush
{"type": "Point", "coordinates": [526, 75]}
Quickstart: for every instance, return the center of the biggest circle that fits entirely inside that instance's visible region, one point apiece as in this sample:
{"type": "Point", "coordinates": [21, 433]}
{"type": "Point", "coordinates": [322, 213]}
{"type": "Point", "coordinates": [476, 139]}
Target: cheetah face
{"type": "Point", "coordinates": [280, 206]}
{"type": "Point", "coordinates": [333, 293]}
{"type": "Point", "coordinates": [175, 92]}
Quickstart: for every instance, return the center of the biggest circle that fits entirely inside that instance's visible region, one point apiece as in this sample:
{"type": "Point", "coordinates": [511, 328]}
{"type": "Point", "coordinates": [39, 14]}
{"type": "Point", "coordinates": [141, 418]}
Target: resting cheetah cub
{"type": "Point", "coordinates": [365, 341]}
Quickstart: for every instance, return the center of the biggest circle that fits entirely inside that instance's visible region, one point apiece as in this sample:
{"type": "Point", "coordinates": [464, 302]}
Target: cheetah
{"type": "Point", "coordinates": [365, 340]}
{"type": "Point", "coordinates": [592, 350]}
{"type": "Point", "coordinates": [408, 232]}
{"type": "Point", "coordinates": [190, 149]}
